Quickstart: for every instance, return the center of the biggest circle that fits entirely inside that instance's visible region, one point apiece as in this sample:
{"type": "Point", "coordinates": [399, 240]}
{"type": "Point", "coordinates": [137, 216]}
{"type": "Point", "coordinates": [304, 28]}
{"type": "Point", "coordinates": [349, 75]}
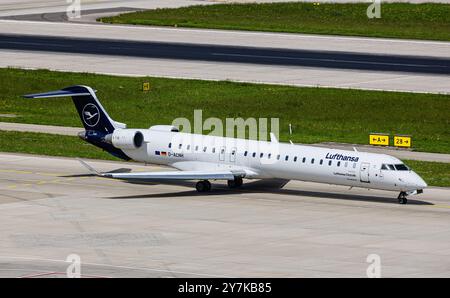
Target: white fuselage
{"type": "Point", "coordinates": [261, 159]}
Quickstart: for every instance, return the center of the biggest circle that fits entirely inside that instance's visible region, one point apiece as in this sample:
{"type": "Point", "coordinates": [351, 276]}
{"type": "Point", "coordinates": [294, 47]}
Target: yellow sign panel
{"type": "Point", "coordinates": [402, 141]}
{"type": "Point", "coordinates": [146, 86]}
{"type": "Point", "coordinates": [378, 139]}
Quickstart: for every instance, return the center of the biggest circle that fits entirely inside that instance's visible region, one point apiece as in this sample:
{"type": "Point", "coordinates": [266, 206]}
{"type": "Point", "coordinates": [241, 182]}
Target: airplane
{"type": "Point", "coordinates": [203, 158]}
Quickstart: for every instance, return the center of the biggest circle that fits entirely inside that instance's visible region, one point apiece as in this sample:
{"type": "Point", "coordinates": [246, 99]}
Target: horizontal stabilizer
{"type": "Point", "coordinates": [71, 91]}
{"type": "Point", "coordinates": [90, 169]}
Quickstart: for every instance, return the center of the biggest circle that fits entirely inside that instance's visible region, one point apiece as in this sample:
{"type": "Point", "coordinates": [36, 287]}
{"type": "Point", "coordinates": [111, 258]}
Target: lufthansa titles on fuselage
{"type": "Point", "coordinates": [338, 156]}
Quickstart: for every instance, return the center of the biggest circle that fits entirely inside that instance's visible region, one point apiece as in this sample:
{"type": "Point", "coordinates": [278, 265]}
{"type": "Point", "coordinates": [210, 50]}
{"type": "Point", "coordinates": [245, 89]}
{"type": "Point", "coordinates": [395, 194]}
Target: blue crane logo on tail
{"type": "Point", "coordinates": [91, 115]}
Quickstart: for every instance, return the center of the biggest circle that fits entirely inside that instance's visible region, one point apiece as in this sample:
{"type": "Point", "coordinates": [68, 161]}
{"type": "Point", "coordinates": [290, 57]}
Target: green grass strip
{"type": "Point", "coordinates": [316, 114]}
{"type": "Point", "coordinates": [398, 20]}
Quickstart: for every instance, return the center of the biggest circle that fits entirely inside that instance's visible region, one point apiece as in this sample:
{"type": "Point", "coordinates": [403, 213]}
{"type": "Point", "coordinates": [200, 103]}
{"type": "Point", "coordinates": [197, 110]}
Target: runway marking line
{"type": "Point", "coordinates": [60, 273]}
{"type": "Point", "coordinates": [117, 266]}
{"type": "Point", "coordinates": [48, 174]}
{"type": "Point", "coordinates": [229, 32]}
{"type": "Point", "coordinates": [16, 171]}
{"type": "Point", "coordinates": [30, 172]}
{"type": "Point", "coordinates": [326, 60]}
{"type": "Point", "coordinates": [441, 206]}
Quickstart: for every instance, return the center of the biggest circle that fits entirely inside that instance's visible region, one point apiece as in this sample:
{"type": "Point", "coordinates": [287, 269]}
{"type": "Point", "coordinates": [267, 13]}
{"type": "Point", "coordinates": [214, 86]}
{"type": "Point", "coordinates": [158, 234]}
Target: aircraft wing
{"type": "Point", "coordinates": [169, 175]}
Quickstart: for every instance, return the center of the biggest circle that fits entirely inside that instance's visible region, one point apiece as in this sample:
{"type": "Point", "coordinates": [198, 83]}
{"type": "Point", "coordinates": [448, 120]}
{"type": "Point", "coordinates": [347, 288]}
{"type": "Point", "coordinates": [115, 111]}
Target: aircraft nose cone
{"type": "Point", "coordinates": [421, 184]}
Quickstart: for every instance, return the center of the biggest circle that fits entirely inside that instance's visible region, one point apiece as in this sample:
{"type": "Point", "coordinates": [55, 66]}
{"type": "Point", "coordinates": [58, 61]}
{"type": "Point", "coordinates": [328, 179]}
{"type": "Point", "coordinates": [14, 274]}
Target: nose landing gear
{"type": "Point", "coordinates": [402, 198]}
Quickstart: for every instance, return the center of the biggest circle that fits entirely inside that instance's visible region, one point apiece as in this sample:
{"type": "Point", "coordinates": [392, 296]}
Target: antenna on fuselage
{"type": "Point", "coordinates": [273, 138]}
{"type": "Point", "coordinates": [290, 133]}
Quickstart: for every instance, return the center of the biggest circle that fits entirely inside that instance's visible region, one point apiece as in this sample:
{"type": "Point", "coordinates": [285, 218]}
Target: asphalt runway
{"type": "Point", "coordinates": [372, 64]}
{"type": "Point", "coordinates": [50, 208]}
{"type": "Point", "coordinates": [47, 8]}
{"type": "Point", "coordinates": [62, 16]}
{"type": "Point", "coordinates": [228, 54]}
{"type": "Point", "coordinates": [298, 59]}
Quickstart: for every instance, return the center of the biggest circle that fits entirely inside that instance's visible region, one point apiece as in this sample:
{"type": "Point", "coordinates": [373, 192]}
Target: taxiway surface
{"type": "Point", "coordinates": [49, 209]}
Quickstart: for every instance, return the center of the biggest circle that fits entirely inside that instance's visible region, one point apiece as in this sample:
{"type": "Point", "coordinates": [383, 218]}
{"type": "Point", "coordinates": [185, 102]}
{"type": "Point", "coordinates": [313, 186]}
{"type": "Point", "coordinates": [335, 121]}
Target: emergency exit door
{"type": "Point", "coordinates": [222, 154]}
{"type": "Point", "coordinates": [233, 155]}
{"type": "Point", "coordinates": [364, 172]}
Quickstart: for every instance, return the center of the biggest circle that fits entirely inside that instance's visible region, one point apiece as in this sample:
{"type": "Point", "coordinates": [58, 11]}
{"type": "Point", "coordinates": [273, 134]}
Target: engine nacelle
{"type": "Point", "coordinates": [125, 138]}
{"type": "Point", "coordinates": [166, 128]}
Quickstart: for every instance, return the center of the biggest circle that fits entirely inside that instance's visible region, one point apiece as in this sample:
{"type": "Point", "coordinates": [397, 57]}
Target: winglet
{"type": "Point", "coordinates": [90, 169]}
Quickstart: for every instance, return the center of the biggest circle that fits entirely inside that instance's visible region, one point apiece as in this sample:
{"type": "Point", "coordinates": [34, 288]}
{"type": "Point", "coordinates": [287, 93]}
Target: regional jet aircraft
{"type": "Point", "coordinates": [203, 157]}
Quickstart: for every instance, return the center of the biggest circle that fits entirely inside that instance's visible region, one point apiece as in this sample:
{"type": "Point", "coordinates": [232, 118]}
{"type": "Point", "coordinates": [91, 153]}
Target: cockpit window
{"type": "Point", "coordinates": [401, 167]}
{"type": "Point", "coordinates": [390, 167]}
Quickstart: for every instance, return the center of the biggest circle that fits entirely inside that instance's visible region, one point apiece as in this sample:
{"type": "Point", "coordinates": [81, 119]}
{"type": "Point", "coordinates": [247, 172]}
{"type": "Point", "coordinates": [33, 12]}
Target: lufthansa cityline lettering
{"type": "Point", "coordinates": [338, 156]}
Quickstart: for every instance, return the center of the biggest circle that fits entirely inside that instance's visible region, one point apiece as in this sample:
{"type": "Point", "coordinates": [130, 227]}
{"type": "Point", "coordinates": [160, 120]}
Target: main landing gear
{"type": "Point", "coordinates": [237, 182]}
{"type": "Point", "coordinates": [402, 198]}
{"type": "Point", "coordinates": [203, 186]}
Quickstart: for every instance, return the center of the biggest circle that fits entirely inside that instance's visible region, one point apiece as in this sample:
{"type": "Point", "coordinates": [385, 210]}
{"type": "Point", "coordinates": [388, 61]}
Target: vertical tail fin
{"type": "Point", "coordinates": [95, 119]}
{"type": "Point", "coordinates": [91, 112]}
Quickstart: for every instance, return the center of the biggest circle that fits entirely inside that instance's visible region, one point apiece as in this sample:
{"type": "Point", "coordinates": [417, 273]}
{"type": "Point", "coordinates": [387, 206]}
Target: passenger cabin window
{"type": "Point", "coordinates": [295, 159]}
{"type": "Point", "coordinates": [245, 153]}
{"type": "Point", "coordinates": [346, 164]}
{"type": "Point", "coordinates": [354, 165]}
{"type": "Point", "coordinates": [312, 160]}
{"type": "Point", "coordinates": [214, 150]}
{"type": "Point", "coordinates": [278, 156]}
{"type": "Point", "coordinates": [330, 162]}
{"type": "Point", "coordinates": [254, 154]}
{"type": "Point", "coordinates": [188, 147]}
{"type": "Point", "coordinates": [321, 161]}
{"type": "Point", "coordinates": [179, 146]}
{"type": "Point", "coordinates": [286, 158]}
{"type": "Point", "coordinates": [261, 155]}
{"type": "Point", "coordinates": [170, 145]}
{"type": "Point", "coordinates": [339, 164]}
{"type": "Point", "coordinates": [204, 149]}
{"type": "Point", "coordinates": [304, 159]}
{"type": "Point", "coordinates": [196, 148]}
{"type": "Point", "coordinates": [269, 155]}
